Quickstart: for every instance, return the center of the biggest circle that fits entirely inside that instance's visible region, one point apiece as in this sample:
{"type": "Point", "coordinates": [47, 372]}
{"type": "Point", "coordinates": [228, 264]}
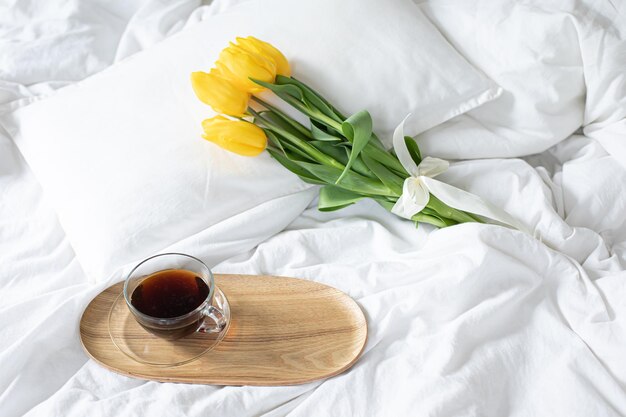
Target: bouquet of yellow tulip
{"type": "Point", "coordinates": [340, 153]}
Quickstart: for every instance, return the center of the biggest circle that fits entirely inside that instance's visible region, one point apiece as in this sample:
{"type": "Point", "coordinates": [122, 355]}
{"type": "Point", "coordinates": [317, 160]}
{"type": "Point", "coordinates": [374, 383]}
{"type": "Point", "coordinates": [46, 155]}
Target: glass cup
{"type": "Point", "coordinates": [206, 318]}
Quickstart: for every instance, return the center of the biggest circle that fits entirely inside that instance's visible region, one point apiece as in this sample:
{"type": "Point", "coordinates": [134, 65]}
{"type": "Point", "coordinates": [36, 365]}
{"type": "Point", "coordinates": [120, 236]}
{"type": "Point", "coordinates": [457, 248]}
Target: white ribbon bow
{"type": "Point", "coordinates": [418, 187]}
{"type": "Point", "coordinates": [415, 191]}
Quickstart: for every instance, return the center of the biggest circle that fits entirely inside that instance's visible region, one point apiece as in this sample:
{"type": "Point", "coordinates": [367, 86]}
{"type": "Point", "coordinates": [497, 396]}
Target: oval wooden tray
{"type": "Point", "coordinates": [283, 331]}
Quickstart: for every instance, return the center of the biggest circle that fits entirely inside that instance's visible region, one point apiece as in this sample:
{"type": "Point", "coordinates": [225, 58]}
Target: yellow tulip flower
{"type": "Point", "coordinates": [237, 136]}
{"type": "Point", "coordinates": [239, 65]}
{"type": "Point", "coordinates": [252, 44]}
{"type": "Point", "coordinates": [219, 93]}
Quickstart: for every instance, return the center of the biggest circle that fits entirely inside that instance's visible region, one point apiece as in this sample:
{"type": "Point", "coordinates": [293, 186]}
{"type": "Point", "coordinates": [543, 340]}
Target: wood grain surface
{"type": "Point", "coordinates": [283, 331]}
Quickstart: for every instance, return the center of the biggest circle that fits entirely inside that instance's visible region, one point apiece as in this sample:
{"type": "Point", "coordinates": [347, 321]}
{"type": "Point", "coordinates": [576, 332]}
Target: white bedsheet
{"type": "Point", "coordinates": [473, 320]}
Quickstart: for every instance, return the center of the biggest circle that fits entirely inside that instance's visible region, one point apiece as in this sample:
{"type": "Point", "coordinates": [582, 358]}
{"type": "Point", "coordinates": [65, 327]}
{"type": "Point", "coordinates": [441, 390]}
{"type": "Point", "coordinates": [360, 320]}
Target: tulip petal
{"type": "Point", "coordinates": [219, 93]}
{"type": "Point", "coordinates": [258, 46]}
{"type": "Point", "coordinates": [236, 136]}
{"type": "Point", "coordinates": [239, 65]}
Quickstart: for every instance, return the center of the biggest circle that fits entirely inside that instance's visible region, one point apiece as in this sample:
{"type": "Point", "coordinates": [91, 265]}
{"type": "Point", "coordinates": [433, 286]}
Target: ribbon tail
{"type": "Point", "coordinates": [402, 152]}
{"type": "Point", "coordinates": [462, 200]}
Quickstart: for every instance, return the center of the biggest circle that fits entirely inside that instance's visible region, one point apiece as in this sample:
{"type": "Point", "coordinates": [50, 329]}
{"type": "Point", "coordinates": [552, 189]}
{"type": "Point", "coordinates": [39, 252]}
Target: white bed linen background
{"type": "Point", "coordinates": [474, 320]}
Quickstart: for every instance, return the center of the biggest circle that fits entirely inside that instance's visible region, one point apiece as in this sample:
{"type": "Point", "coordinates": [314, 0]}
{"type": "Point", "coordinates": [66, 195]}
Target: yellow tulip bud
{"type": "Point", "coordinates": [239, 65]}
{"type": "Point", "coordinates": [236, 136]}
{"type": "Point", "coordinates": [252, 44]}
{"type": "Point", "coordinates": [219, 93]}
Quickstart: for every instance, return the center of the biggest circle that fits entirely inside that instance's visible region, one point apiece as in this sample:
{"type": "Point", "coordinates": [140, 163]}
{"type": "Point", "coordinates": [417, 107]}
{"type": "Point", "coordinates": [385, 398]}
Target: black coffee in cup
{"type": "Point", "coordinates": [170, 293]}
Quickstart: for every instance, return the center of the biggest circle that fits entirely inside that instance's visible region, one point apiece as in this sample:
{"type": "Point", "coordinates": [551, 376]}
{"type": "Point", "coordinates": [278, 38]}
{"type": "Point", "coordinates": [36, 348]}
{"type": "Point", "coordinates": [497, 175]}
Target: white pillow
{"type": "Point", "coordinates": [533, 51]}
{"type": "Point", "coordinates": [120, 155]}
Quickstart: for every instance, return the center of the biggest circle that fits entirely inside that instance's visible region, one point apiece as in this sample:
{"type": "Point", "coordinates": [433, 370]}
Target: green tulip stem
{"type": "Point", "coordinates": [313, 114]}
{"type": "Point", "coordinates": [425, 218]}
{"type": "Point", "coordinates": [445, 210]}
{"type": "Point", "coordinates": [309, 149]}
{"type": "Point", "coordinates": [299, 127]}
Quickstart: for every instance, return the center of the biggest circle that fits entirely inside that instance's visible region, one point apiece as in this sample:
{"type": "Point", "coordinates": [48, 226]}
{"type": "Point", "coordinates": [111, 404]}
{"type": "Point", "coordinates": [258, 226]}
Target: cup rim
{"type": "Point", "coordinates": [167, 319]}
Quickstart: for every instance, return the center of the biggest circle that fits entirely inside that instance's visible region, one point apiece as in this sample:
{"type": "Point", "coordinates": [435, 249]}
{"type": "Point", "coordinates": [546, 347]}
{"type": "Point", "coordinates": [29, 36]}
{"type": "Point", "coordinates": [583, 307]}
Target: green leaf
{"type": "Point", "coordinates": [433, 218]}
{"type": "Point", "coordinates": [316, 104]}
{"type": "Point", "coordinates": [321, 134]}
{"type": "Point", "coordinates": [386, 176]}
{"type": "Point", "coordinates": [312, 98]}
{"type": "Point", "coordinates": [445, 211]}
{"type": "Point", "coordinates": [303, 107]}
{"type": "Point", "coordinates": [285, 145]}
{"type": "Point", "coordinates": [352, 181]}
{"type": "Point", "coordinates": [414, 150]}
{"type": "Point", "coordinates": [385, 158]}
{"type": "Point", "coordinates": [273, 139]}
{"type": "Point", "coordinates": [342, 155]}
{"type": "Point", "coordinates": [376, 142]}
{"type": "Point", "coordinates": [424, 218]}
{"type": "Point", "coordinates": [360, 167]}
{"type": "Point", "coordinates": [336, 152]}
{"type": "Point", "coordinates": [278, 121]}
{"type": "Point", "coordinates": [281, 90]}
{"type": "Point", "coordinates": [358, 130]}
{"type": "Point", "coordinates": [293, 166]}
{"type": "Point", "coordinates": [315, 99]}
{"type": "Point", "coordinates": [432, 213]}
{"type": "Point", "coordinates": [302, 144]}
{"type": "Point", "coordinates": [299, 127]}
{"type": "Point", "coordinates": [335, 198]}
{"type": "Point", "coordinates": [303, 156]}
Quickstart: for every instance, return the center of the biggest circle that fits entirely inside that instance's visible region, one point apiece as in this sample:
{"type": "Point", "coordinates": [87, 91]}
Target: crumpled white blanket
{"type": "Point", "coordinates": [473, 320]}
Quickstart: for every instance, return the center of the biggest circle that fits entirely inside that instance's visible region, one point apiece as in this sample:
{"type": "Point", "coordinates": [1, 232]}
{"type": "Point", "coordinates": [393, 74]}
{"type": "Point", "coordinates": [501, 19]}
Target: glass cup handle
{"type": "Point", "coordinates": [217, 316]}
